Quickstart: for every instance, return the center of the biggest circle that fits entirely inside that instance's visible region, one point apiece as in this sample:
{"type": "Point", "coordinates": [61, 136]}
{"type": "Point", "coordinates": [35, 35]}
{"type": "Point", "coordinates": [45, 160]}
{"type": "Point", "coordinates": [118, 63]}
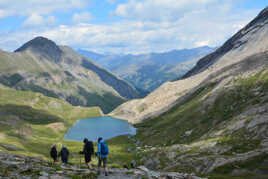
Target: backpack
{"type": "Point", "coordinates": [91, 147]}
{"type": "Point", "coordinates": [88, 148]}
{"type": "Point", "coordinates": [104, 148]}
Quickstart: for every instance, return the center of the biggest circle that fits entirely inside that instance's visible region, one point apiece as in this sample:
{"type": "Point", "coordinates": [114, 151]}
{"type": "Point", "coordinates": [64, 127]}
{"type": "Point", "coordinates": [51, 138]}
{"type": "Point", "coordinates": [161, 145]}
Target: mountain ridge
{"type": "Point", "coordinates": [210, 59]}
{"type": "Point", "coordinates": [149, 71]}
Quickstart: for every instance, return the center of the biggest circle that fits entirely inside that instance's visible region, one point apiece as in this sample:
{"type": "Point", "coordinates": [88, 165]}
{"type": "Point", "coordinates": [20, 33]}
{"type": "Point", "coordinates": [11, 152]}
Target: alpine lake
{"type": "Point", "coordinates": [105, 127]}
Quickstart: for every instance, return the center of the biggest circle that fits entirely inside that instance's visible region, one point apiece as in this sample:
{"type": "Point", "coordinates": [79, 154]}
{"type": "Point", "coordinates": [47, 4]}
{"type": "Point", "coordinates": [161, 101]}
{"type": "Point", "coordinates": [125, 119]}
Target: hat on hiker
{"type": "Point", "coordinates": [85, 140]}
{"type": "Point", "coordinates": [99, 139]}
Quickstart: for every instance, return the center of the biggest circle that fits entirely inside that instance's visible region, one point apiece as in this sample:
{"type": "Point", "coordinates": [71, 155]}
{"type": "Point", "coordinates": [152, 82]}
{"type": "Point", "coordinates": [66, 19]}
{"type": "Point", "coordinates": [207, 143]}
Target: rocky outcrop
{"type": "Point", "coordinates": [14, 166]}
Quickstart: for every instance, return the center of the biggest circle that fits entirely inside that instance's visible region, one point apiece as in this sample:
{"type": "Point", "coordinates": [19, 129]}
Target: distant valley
{"type": "Point", "coordinates": [149, 71]}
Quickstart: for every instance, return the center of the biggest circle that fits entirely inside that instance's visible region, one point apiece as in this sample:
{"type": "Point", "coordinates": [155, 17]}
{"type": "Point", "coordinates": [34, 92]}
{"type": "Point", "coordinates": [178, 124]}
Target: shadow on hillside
{"type": "Point", "coordinates": [107, 102]}
{"type": "Point", "coordinates": [28, 114]}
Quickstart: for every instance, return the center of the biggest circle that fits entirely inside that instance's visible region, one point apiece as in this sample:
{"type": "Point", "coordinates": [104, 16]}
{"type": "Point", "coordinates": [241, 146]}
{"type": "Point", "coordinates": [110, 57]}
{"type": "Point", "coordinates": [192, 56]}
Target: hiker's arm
{"type": "Point", "coordinates": [99, 147]}
{"type": "Point", "coordinates": [84, 149]}
{"type": "Point", "coordinates": [92, 152]}
{"type": "Point", "coordinates": [98, 150]}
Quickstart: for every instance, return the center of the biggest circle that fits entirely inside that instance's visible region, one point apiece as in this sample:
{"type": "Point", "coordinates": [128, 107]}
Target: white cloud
{"type": "Point", "coordinates": [51, 20]}
{"type": "Point", "coordinates": [202, 43]}
{"type": "Point", "coordinates": [41, 7]}
{"type": "Point", "coordinates": [36, 20]}
{"type": "Point", "coordinates": [152, 25]}
{"type": "Point", "coordinates": [3, 13]}
{"type": "Point", "coordinates": [155, 10]}
{"type": "Point", "coordinates": [83, 17]}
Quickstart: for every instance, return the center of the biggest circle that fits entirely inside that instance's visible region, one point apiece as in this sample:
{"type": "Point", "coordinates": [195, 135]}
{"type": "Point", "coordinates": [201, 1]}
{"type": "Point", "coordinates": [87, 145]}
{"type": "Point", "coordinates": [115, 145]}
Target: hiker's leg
{"type": "Point", "coordinates": [99, 165]}
{"type": "Point", "coordinates": [104, 165]}
{"type": "Point", "coordinates": [88, 159]}
{"type": "Point", "coordinates": [89, 165]}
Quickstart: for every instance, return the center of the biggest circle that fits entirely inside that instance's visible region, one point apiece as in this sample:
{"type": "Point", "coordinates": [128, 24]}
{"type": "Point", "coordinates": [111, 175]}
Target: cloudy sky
{"type": "Point", "coordinates": [125, 26]}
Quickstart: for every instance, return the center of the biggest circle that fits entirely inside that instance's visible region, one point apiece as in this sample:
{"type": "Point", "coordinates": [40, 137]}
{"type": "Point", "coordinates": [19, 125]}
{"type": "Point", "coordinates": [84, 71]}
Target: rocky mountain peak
{"type": "Point", "coordinates": [264, 11]}
{"type": "Point", "coordinates": [42, 47]}
{"type": "Point", "coordinates": [240, 39]}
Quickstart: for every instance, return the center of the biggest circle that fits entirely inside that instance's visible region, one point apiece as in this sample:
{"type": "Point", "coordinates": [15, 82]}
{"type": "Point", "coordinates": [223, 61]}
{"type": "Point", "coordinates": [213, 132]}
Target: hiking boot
{"type": "Point", "coordinates": [106, 173]}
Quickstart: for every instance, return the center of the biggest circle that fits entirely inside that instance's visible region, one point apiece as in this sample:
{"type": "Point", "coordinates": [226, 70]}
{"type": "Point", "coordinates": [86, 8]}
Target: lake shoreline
{"type": "Point", "coordinates": [103, 126]}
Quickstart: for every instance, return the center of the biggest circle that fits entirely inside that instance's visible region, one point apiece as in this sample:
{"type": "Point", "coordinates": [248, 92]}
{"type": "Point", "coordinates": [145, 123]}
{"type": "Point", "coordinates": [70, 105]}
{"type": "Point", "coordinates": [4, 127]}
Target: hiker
{"type": "Point", "coordinates": [102, 154]}
{"type": "Point", "coordinates": [125, 166]}
{"type": "Point", "coordinates": [64, 153]}
{"type": "Point", "coordinates": [88, 151]}
{"type": "Point", "coordinates": [54, 153]}
{"type": "Point", "coordinates": [133, 164]}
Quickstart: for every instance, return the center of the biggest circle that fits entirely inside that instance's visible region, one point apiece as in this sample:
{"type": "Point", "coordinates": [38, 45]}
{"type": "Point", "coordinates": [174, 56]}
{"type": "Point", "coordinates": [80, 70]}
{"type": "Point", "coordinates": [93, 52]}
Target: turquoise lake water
{"type": "Point", "coordinates": [105, 127]}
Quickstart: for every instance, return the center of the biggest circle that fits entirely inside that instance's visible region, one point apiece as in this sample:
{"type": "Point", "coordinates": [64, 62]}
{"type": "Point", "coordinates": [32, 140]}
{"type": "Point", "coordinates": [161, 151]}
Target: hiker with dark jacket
{"type": "Point", "coordinates": [102, 154]}
{"type": "Point", "coordinates": [88, 151]}
{"type": "Point", "coordinates": [54, 153]}
{"type": "Point", "coordinates": [64, 154]}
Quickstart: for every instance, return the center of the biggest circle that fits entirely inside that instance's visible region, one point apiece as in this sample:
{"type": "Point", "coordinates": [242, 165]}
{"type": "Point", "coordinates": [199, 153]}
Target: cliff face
{"type": "Point", "coordinates": [57, 71]}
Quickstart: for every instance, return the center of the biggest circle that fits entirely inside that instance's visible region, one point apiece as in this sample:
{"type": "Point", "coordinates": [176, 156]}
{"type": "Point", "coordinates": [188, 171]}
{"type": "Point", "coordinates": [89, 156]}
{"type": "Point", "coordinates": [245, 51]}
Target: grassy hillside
{"type": "Point", "coordinates": [210, 127]}
{"type": "Point", "coordinates": [31, 122]}
{"type": "Point", "coordinates": [25, 71]}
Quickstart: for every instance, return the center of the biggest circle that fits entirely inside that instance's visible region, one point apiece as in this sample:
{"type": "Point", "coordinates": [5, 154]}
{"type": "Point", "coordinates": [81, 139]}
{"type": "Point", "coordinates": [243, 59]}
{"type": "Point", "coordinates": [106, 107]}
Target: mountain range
{"type": "Point", "coordinates": [149, 71]}
{"type": "Point", "coordinates": [58, 71]}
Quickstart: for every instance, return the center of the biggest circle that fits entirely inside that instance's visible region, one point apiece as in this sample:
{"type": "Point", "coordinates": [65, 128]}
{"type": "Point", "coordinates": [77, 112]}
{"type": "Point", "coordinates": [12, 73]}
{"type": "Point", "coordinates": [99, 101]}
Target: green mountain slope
{"type": "Point", "coordinates": [213, 131]}
{"type": "Point", "coordinates": [31, 122]}
{"type": "Point", "coordinates": [57, 71]}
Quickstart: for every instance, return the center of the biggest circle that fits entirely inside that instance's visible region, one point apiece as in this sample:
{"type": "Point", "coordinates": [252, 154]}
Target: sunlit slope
{"type": "Point", "coordinates": [31, 122]}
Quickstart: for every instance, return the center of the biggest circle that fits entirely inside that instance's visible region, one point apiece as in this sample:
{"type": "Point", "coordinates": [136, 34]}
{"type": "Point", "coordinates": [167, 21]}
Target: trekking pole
{"type": "Point", "coordinates": [80, 161]}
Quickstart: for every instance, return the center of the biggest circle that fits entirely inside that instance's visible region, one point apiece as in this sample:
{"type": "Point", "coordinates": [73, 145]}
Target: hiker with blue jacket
{"type": "Point", "coordinates": [102, 154]}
